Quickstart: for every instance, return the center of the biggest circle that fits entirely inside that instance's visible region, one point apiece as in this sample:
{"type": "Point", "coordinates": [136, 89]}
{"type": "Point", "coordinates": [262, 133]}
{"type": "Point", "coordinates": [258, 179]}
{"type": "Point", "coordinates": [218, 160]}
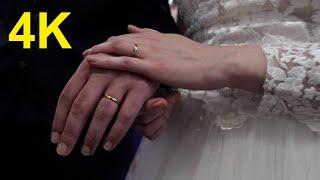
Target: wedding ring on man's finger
{"type": "Point", "coordinates": [111, 98]}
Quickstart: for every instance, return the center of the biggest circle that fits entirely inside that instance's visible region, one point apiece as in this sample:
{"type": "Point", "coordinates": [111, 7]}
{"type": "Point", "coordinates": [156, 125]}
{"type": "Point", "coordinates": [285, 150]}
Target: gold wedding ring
{"type": "Point", "coordinates": [111, 99]}
{"type": "Point", "coordinates": [135, 49]}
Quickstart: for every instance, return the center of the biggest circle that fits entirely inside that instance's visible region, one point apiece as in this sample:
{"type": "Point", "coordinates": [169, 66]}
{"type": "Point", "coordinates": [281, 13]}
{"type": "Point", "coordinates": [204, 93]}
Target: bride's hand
{"type": "Point", "coordinates": [153, 120]}
{"type": "Point", "coordinates": [180, 62]}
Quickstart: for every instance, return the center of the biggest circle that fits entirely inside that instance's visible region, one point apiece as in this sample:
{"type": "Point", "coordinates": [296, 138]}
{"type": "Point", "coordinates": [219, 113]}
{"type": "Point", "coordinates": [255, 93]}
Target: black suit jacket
{"type": "Point", "coordinates": [31, 81]}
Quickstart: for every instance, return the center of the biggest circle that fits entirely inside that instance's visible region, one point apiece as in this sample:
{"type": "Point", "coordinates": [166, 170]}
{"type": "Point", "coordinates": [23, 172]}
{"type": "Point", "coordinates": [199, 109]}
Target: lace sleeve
{"type": "Point", "coordinates": [292, 85]}
{"type": "Point", "coordinates": [292, 89]}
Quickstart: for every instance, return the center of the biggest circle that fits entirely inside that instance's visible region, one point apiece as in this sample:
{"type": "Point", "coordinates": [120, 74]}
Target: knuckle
{"type": "Point", "coordinates": [105, 110]}
{"type": "Point", "coordinates": [93, 48]}
{"type": "Point", "coordinates": [127, 62]}
{"type": "Point", "coordinates": [123, 125]}
{"type": "Point", "coordinates": [123, 82]}
{"type": "Point", "coordinates": [125, 119]}
{"type": "Point", "coordinates": [111, 38]}
{"type": "Point", "coordinates": [78, 108]}
{"type": "Point", "coordinates": [145, 85]}
{"type": "Point", "coordinates": [142, 83]}
{"type": "Point", "coordinates": [117, 84]}
{"type": "Point", "coordinates": [130, 114]}
{"type": "Point", "coordinates": [116, 44]}
{"type": "Point", "coordinates": [125, 77]}
{"type": "Point", "coordinates": [69, 136]}
{"type": "Point", "coordinates": [66, 96]}
{"type": "Point", "coordinates": [100, 115]}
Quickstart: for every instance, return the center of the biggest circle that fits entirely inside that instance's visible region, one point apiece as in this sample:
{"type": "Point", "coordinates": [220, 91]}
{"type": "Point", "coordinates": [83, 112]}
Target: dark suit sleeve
{"type": "Point", "coordinates": [154, 14]}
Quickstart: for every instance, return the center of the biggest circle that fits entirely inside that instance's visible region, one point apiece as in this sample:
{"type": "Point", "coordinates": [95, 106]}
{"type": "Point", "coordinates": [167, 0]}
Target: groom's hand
{"type": "Point", "coordinates": [83, 96]}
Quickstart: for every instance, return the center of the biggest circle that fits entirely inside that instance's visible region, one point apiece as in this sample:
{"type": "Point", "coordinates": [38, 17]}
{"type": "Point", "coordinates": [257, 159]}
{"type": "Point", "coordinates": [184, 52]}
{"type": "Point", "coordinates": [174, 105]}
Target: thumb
{"type": "Point", "coordinates": [153, 104]}
{"type": "Point", "coordinates": [134, 29]}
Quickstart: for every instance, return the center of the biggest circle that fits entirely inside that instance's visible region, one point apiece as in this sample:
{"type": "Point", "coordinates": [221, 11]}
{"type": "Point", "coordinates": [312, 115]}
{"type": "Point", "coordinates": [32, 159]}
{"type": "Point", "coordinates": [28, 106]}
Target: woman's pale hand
{"type": "Point", "coordinates": [180, 62]}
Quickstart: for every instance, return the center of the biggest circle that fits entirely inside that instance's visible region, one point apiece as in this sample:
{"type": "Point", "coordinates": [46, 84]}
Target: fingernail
{"type": "Point", "coordinates": [133, 26]}
{"type": "Point", "coordinates": [55, 137]}
{"type": "Point", "coordinates": [108, 146]}
{"type": "Point", "coordinates": [86, 52]}
{"type": "Point", "coordinates": [62, 149]}
{"type": "Point", "coordinates": [160, 104]}
{"type": "Point", "coordinates": [85, 150]}
{"type": "Point", "coordinates": [92, 61]}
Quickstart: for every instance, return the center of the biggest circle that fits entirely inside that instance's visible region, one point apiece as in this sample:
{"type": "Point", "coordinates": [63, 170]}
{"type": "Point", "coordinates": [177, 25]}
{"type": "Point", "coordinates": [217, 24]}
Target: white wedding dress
{"type": "Point", "coordinates": [231, 134]}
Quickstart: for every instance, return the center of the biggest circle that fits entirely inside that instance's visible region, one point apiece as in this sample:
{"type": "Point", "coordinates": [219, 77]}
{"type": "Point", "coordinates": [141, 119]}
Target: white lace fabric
{"type": "Point", "coordinates": [270, 143]}
{"type": "Point", "coordinates": [292, 85]}
{"type": "Point", "coordinates": [288, 32]}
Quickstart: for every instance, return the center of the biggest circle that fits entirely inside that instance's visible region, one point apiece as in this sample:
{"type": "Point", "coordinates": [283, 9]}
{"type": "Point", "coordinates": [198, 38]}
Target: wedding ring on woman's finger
{"type": "Point", "coordinates": [135, 49]}
{"type": "Point", "coordinates": [111, 98]}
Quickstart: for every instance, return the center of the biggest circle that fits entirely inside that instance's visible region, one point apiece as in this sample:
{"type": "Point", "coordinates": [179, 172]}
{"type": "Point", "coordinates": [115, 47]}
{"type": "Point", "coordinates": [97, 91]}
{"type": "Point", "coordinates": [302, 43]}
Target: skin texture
{"type": "Point", "coordinates": [83, 97]}
{"type": "Point", "coordinates": [156, 113]}
{"type": "Point", "coordinates": [180, 62]}
{"type": "Point", "coordinates": [165, 58]}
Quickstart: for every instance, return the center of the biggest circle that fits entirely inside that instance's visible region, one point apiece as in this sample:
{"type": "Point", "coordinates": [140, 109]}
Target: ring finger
{"type": "Point", "coordinates": [80, 111]}
{"type": "Point", "coordinates": [121, 46]}
{"type": "Point", "coordinates": [102, 117]}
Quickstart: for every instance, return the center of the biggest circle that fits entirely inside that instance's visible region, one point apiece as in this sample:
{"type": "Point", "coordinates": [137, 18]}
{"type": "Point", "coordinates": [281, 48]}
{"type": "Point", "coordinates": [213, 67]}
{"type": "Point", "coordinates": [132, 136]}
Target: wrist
{"type": "Point", "coordinates": [248, 69]}
{"type": "Point", "coordinates": [252, 68]}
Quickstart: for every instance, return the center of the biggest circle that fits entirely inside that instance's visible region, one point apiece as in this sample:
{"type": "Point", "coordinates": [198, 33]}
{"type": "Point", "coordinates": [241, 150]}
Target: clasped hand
{"type": "Point", "coordinates": [180, 62]}
{"type": "Point", "coordinates": [81, 102]}
{"type": "Point", "coordinates": [169, 59]}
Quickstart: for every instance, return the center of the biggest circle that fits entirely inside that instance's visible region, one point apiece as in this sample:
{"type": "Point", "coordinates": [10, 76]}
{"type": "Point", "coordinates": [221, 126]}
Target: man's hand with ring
{"type": "Point", "coordinates": [84, 96]}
